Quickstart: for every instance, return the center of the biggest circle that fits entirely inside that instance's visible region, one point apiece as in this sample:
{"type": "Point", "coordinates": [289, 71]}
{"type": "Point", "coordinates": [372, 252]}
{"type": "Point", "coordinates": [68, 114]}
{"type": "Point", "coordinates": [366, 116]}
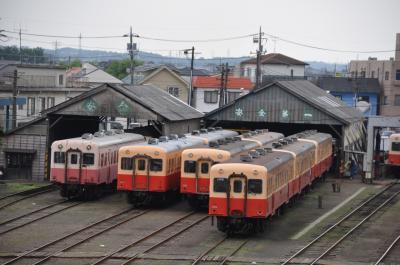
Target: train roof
{"type": "Point", "coordinates": [169, 145]}
{"type": "Point", "coordinates": [319, 137]}
{"type": "Point", "coordinates": [265, 137]}
{"type": "Point", "coordinates": [103, 138]}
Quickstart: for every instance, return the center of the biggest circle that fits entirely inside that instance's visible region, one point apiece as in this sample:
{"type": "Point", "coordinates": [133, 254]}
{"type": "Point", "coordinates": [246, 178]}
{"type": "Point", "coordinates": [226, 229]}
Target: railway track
{"type": "Point", "coordinates": [39, 214]}
{"type": "Point", "coordinates": [162, 234]}
{"type": "Point", "coordinates": [322, 245]}
{"type": "Point", "coordinates": [25, 195]}
{"type": "Point", "coordinates": [225, 258]}
{"type": "Point", "coordinates": [79, 236]}
{"type": "Point", "coordinates": [392, 253]}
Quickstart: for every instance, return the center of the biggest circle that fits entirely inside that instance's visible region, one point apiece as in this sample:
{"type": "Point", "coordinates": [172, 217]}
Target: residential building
{"type": "Point", "coordinates": [274, 65]}
{"type": "Point", "coordinates": [39, 87]}
{"type": "Point", "coordinates": [89, 75]}
{"type": "Point", "coordinates": [387, 72]}
{"type": "Point", "coordinates": [206, 91]}
{"type": "Point", "coordinates": [360, 93]}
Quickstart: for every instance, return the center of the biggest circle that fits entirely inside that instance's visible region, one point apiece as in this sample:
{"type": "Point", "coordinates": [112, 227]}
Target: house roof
{"type": "Point", "coordinates": [196, 72]}
{"type": "Point", "coordinates": [215, 82]}
{"type": "Point", "coordinates": [152, 98]}
{"type": "Point", "coordinates": [92, 74]}
{"type": "Point", "coordinates": [345, 84]}
{"type": "Point", "coordinates": [173, 73]}
{"type": "Point", "coordinates": [275, 58]}
{"type": "Point", "coordinates": [311, 94]}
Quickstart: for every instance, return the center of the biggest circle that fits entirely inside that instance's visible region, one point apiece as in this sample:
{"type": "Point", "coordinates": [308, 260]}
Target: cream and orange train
{"type": "Point", "coordinates": [246, 190]}
{"type": "Point", "coordinates": [85, 166]}
{"type": "Point", "coordinates": [394, 150]}
{"type": "Point", "coordinates": [195, 176]}
{"type": "Point", "coordinates": [150, 172]}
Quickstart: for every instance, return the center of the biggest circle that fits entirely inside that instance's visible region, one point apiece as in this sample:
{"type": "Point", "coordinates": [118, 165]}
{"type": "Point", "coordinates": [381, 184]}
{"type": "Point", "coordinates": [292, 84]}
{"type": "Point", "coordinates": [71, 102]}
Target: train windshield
{"type": "Point", "coordinates": [204, 168]}
{"type": "Point", "coordinates": [88, 159]}
{"type": "Point", "coordinates": [155, 165]}
{"type": "Point", "coordinates": [190, 166]}
{"type": "Point", "coordinates": [141, 164]}
{"type": "Point", "coordinates": [255, 186]}
{"type": "Point", "coordinates": [396, 146]}
{"type": "Point", "coordinates": [126, 163]}
{"type": "Point", "coordinates": [220, 184]}
{"type": "Point", "coordinates": [59, 157]}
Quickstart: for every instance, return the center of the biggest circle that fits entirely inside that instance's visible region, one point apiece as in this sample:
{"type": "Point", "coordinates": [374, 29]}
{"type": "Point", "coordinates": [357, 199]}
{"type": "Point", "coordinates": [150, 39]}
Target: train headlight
{"type": "Point", "coordinates": [60, 146]}
{"type": "Point", "coordinates": [220, 156]}
{"type": "Point", "coordinates": [156, 153]}
{"type": "Point", "coordinates": [88, 147]}
{"type": "Point", "coordinates": [127, 152]}
{"type": "Point", "coordinates": [255, 172]}
{"type": "Point", "coordinates": [220, 171]}
{"type": "Point", "coordinates": [190, 155]}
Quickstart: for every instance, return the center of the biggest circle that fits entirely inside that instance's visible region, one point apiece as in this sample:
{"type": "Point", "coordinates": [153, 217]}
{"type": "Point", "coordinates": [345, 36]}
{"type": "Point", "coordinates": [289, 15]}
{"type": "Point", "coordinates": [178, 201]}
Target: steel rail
{"type": "Point", "coordinates": [387, 250]}
{"type": "Point", "coordinates": [25, 197]}
{"type": "Point", "coordinates": [354, 228]}
{"type": "Point", "coordinates": [287, 261]}
{"type": "Point", "coordinates": [234, 252]}
{"type": "Point", "coordinates": [29, 213]}
{"type": "Point", "coordinates": [199, 258]}
{"type": "Point", "coordinates": [91, 236]}
{"type": "Point", "coordinates": [142, 238]}
{"type": "Point", "coordinates": [27, 192]}
{"type": "Point", "coordinates": [64, 237]}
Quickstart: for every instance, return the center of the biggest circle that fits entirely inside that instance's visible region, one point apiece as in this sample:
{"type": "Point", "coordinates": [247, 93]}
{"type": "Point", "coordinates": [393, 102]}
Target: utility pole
{"type": "Point", "coordinates": [191, 75]}
{"type": "Point", "coordinates": [259, 53]}
{"type": "Point", "coordinates": [20, 46]}
{"type": "Point", "coordinates": [131, 47]}
{"type": "Point", "coordinates": [80, 46]}
{"type": "Point", "coordinates": [55, 51]}
{"type": "Point", "coordinates": [14, 100]}
{"type": "Point", "coordinates": [226, 83]}
{"type": "Point", "coordinates": [221, 91]}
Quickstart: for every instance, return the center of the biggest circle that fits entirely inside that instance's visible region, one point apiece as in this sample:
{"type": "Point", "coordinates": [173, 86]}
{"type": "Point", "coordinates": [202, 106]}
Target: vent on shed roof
{"type": "Point", "coordinates": [87, 136]}
{"type": "Point", "coordinates": [153, 141]}
{"type": "Point", "coordinates": [246, 158]}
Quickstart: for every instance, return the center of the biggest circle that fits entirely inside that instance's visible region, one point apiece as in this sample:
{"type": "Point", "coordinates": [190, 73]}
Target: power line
{"type": "Point", "coordinates": [198, 40]}
{"type": "Point", "coordinates": [66, 36]}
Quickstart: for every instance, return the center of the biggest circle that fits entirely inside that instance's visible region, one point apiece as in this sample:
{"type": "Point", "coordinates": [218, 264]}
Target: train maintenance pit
{"type": "Point", "coordinates": [110, 231]}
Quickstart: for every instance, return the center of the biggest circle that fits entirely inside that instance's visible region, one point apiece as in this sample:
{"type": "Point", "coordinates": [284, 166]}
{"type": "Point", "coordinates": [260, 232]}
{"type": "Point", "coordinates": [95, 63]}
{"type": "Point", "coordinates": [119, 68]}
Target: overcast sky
{"type": "Point", "coordinates": [361, 25]}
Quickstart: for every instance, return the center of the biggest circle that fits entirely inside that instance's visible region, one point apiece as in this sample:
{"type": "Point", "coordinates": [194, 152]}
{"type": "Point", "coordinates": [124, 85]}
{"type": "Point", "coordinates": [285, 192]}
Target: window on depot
{"type": "Point", "coordinates": [387, 75]}
{"type": "Point", "coordinates": [397, 100]}
{"type": "Point", "coordinates": [210, 96]}
{"type": "Point", "coordinates": [398, 74]}
{"type": "Point", "coordinates": [174, 91]}
{"type": "Point", "coordinates": [189, 166]}
{"type": "Point", "coordinates": [363, 98]}
{"type": "Point", "coordinates": [372, 74]}
{"type": "Point", "coordinates": [362, 74]}
{"type": "Point", "coordinates": [220, 184]}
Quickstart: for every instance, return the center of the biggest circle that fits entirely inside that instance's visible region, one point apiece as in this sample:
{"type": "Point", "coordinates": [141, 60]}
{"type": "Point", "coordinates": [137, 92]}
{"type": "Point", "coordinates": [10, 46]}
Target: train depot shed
{"type": "Point", "coordinates": [24, 150]}
{"type": "Point", "coordinates": [292, 106]}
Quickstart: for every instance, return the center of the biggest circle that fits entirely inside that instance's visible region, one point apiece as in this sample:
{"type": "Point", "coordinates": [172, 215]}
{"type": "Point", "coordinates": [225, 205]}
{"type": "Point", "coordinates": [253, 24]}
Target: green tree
{"type": "Point", "coordinates": [118, 68]}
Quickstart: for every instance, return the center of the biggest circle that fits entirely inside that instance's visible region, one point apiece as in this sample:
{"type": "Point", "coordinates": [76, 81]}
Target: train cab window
{"type": "Point", "coordinates": [74, 159]}
{"type": "Point", "coordinates": [220, 185]}
{"type": "Point", "coordinates": [396, 146]}
{"type": "Point", "coordinates": [237, 186]}
{"type": "Point", "coordinates": [189, 166]}
{"type": "Point", "coordinates": [59, 157]}
{"type": "Point", "coordinates": [88, 159]}
{"type": "Point", "coordinates": [141, 164]}
{"type": "Point", "coordinates": [204, 168]}
{"type": "Point", "coordinates": [155, 165]}
{"type": "Point", "coordinates": [126, 163]}
{"type": "Point", "coordinates": [255, 186]}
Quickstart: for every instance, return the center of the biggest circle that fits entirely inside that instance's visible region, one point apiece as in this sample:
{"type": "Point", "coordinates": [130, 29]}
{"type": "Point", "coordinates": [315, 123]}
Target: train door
{"type": "Point", "coordinates": [141, 172]}
{"type": "Point", "coordinates": [237, 195]}
{"type": "Point", "coordinates": [203, 175]}
{"type": "Point", "coordinates": [73, 166]}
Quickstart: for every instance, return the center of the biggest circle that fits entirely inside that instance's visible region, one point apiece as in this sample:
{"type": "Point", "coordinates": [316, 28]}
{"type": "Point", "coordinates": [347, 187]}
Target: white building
{"type": "Point", "coordinates": [89, 75]}
{"type": "Point", "coordinates": [206, 91]}
{"type": "Point", "coordinates": [273, 65]}
{"type": "Point", "coordinates": [39, 87]}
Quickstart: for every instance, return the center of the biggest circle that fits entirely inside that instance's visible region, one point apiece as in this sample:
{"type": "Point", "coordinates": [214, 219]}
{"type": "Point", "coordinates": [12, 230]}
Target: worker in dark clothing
{"type": "Point", "coordinates": [353, 168]}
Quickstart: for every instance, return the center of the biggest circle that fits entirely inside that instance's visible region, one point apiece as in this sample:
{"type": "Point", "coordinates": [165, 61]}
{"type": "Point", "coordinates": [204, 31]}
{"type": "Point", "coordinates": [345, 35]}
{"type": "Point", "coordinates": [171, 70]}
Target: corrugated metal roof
{"type": "Point", "coordinates": [275, 58]}
{"type": "Point", "coordinates": [295, 101]}
{"type": "Point", "coordinates": [325, 101]}
{"type": "Point", "coordinates": [351, 85]}
{"type": "Point", "coordinates": [161, 102]}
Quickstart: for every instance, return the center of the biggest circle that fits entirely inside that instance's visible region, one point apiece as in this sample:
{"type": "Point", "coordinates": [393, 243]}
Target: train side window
{"type": "Point", "coordinates": [155, 164]}
{"type": "Point", "coordinates": [88, 159]}
{"type": "Point", "coordinates": [220, 184]}
{"type": "Point", "coordinates": [255, 186]}
{"type": "Point", "coordinates": [237, 186]}
{"type": "Point", "coordinates": [189, 166]}
{"type": "Point", "coordinates": [74, 159]}
{"type": "Point", "coordinates": [126, 163]}
{"type": "Point", "coordinates": [204, 168]}
{"type": "Point", "coordinates": [141, 164]}
{"type": "Point", "coordinates": [396, 146]}
{"type": "Point", "coordinates": [59, 157]}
